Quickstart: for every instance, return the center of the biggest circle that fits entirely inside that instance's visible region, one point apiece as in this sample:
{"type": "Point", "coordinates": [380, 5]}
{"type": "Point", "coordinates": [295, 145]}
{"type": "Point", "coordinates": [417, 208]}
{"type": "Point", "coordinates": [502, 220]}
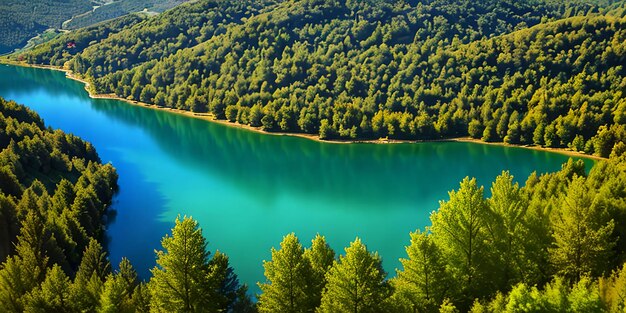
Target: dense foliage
{"type": "Point", "coordinates": [117, 9]}
{"type": "Point", "coordinates": [54, 194]}
{"type": "Point", "coordinates": [22, 20]}
{"type": "Point", "coordinates": [371, 69]}
{"type": "Point", "coordinates": [553, 244]}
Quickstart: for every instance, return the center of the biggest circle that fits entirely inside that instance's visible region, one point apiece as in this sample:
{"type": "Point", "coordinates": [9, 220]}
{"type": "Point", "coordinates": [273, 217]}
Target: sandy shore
{"type": "Point", "coordinates": [210, 118]}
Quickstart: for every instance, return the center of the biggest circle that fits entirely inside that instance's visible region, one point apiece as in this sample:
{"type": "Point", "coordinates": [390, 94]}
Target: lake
{"type": "Point", "coordinates": [247, 189]}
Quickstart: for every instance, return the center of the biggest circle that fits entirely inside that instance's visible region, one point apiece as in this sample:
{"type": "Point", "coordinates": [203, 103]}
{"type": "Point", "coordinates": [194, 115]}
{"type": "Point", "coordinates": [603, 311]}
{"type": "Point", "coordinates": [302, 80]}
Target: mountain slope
{"type": "Point", "coordinates": [22, 20]}
{"type": "Point", "coordinates": [119, 8]}
{"type": "Point", "coordinates": [370, 69]}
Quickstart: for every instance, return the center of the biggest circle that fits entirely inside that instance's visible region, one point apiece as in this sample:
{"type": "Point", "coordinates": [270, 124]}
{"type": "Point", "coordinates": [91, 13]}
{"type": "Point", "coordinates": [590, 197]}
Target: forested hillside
{"type": "Point", "coordinates": [22, 20]}
{"type": "Point", "coordinates": [54, 195]}
{"type": "Point", "coordinates": [495, 70]}
{"type": "Point", "coordinates": [119, 8]}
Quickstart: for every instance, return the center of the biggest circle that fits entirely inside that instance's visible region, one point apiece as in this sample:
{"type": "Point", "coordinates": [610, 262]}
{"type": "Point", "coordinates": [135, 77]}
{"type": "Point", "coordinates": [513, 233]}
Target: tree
{"type": "Point", "coordinates": [178, 280]}
{"type": "Point", "coordinates": [506, 229]}
{"type": "Point", "coordinates": [53, 295]}
{"type": "Point", "coordinates": [584, 297]}
{"type": "Point", "coordinates": [230, 296]}
{"type": "Point", "coordinates": [582, 233]}
{"type": "Point", "coordinates": [424, 281]}
{"type": "Point", "coordinates": [459, 228]}
{"type": "Point", "coordinates": [356, 283]}
{"type": "Point", "coordinates": [25, 270]}
{"type": "Point", "coordinates": [63, 195]}
{"type": "Point", "coordinates": [118, 290]}
{"type": "Point", "coordinates": [326, 130]}
{"type": "Point", "coordinates": [448, 307]}
{"type": "Point", "coordinates": [15, 282]}
{"type": "Point", "coordinates": [89, 282]}
{"type": "Point", "coordinates": [613, 290]}
{"type": "Point", "coordinates": [321, 257]}
{"type": "Point", "coordinates": [287, 275]}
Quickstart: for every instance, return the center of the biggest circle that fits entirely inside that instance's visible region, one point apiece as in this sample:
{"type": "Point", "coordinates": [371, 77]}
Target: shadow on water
{"type": "Point", "coordinates": [134, 230]}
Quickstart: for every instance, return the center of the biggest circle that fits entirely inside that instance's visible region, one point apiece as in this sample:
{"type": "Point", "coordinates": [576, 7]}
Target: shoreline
{"type": "Point", "coordinates": [210, 118]}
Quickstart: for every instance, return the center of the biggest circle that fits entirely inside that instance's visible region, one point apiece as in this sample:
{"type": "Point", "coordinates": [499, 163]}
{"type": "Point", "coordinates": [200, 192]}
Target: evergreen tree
{"type": "Point", "coordinates": [321, 257]}
{"type": "Point", "coordinates": [178, 281]}
{"type": "Point", "coordinates": [584, 297]}
{"type": "Point", "coordinates": [118, 290]}
{"type": "Point", "coordinates": [89, 282]}
{"type": "Point", "coordinates": [582, 233]}
{"type": "Point", "coordinates": [424, 281]}
{"type": "Point", "coordinates": [15, 281]}
{"type": "Point", "coordinates": [31, 245]}
{"type": "Point", "coordinates": [459, 228]}
{"type": "Point", "coordinates": [63, 196]}
{"type": "Point", "coordinates": [507, 230]}
{"type": "Point", "coordinates": [448, 307]}
{"type": "Point", "coordinates": [356, 283]}
{"type": "Point", "coordinates": [613, 290]}
{"type": "Point", "coordinates": [24, 271]}
{"type": "Point", "coordinates": [53, 295]}
{"type": "Point", "coordinates": [141, 298]}
{"type": "Point", "coordinates": [229, 294]}
{"type": "Point", "coordinates": [287, 277]}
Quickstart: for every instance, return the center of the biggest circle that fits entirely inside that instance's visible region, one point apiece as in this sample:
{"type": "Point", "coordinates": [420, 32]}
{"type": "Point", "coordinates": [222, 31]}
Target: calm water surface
{"type": "Point", "coordinates": [248, 190]}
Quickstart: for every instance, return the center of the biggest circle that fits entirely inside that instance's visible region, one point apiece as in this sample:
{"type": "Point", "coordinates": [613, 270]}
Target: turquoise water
{"type": "Point", "coordinates": [248, 190]}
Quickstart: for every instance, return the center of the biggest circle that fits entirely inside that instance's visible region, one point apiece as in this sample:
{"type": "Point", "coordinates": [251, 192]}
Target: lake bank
{"type": "Point", "coordinates": [210, 118]}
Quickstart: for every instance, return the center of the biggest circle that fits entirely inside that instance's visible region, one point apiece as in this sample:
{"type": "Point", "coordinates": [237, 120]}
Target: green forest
{"type": "Point", "coordinates": [553, 244]}
{"type": "Point", "coordinates": [119, 8]}
{"type": "Point", "coordinates": [548, 73]}
{"type": "Point", "coordinates": [534, 72]}
{"type": "Point", "coordinates": [22, 20]}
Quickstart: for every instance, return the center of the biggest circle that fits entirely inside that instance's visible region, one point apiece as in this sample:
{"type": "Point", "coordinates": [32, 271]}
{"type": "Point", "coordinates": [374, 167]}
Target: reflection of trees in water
{"type": "Point", "coordinates": [406, 172]}
{"type": "Point", "coordinates": [251, 161]}
{"type": "Point", "coordinates": [25, 79]}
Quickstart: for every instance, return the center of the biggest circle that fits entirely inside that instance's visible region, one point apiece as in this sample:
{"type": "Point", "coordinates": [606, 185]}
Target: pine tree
{"type": "Point", "coordinates": [89, 282]}
{"type": "Point", "coordinates": [114, 296]}
{"type": "Point", "coordinates": [53, 295]}
{"type": "Point", "coordinates": [118, 289]}
{"type": "Point", "coordinates": [31, 246]}
{"type": "Point", "coordinates": [25, 270]}
{"type": "Point", "coordinates": [424, 281]}
{"type": "Point", "coordinates": [507, 231]}
{"type": "Point", "coordinates": [141, 298]}
{"type": "Point", "coordinates": [63, 196]}
{"type": "Point", "coordinates": [321, 257]}
{"type": "Point", "coordinates": [356, 283]}
{"type": "Point", "coordinates": [15, 282]}
{"type": "Point", "coordinates": [287, 276]}
{"type": "Point", "coordinates": [178, 281]}
{"type": "Point", "coordinates": [582, 233]}
{"type": "Point", "coordinates": [459, 229]}
{"type": "Point", "coordinates": [225, 285]}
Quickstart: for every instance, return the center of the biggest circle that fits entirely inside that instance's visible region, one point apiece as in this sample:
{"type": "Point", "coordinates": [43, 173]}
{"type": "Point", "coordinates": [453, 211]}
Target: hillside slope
{"type": "Point", "coordinates": [119, 8]}
{"type": "Point", "coordinates": [370, 69]}
{"type": "Point", "coordinates": [22, 20]}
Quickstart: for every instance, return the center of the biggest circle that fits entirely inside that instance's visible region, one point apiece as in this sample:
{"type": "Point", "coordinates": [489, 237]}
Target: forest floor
{"type": "Point", "coordinates": [209, 117]}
